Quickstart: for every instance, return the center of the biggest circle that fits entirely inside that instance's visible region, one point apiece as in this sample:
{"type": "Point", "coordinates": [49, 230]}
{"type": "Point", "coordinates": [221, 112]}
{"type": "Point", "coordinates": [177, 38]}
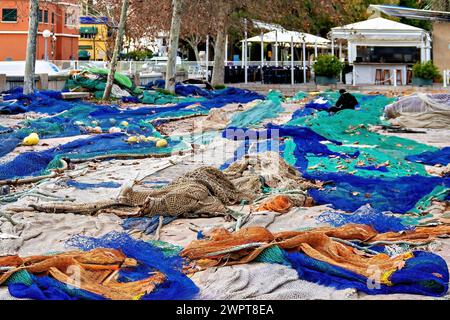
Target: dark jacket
{"type": "Point", "coordinates": [347, 101]}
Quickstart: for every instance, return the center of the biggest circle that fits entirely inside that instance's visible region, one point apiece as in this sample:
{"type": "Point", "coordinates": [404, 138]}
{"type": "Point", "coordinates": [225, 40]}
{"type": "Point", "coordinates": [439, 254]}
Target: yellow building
{"type": "Point", "coordinates": [94, 34]}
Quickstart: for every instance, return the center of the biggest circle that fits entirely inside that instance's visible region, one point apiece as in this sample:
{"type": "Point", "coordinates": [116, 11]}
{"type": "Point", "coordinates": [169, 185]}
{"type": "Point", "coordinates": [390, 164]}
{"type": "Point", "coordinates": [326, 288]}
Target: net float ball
{"type": "Point", "coordinates": [132, 139]}
{"type": "Point", "coordinates": [114, 130]}
{"type": "Point", "coordinates": [124, 123]}
{"type": "Point", "coordinates": [31, 140]}
{"type": "Point", "coordinates": [161, 143]}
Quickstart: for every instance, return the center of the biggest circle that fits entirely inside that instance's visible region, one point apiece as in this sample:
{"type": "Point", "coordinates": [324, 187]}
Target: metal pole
{"type": "Point", "coordinates": [226, 49]}
{"type": "Point", "coordinates": [445, 78]}
{"type": "Point", "coordinates": [395, 77]}
{"type": "Point", "coordinates": [246, 54]}
{"type": "Point", "coordinates": [315, 50]}
{"type": "Point", "coordinates": [332, 46]}
{"type": "Point", "coordinates": [340, 58]}
{"type": "Point", "coordinates": [207, 57]}
{"type": "Point", "coordinates": [46, 49]}
{"type": "Point", "coordinates": [304, 60]}
{"type": "Point", "coordinates": [292, 60]}
{"type": "Point", "coordinates": [276, 48]}
{"type": "Point", "coordinates": [262, 56]}
{"type": "Point", "coordinates": [243, 54]}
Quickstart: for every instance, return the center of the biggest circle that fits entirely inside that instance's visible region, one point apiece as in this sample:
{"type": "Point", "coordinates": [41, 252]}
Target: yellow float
{"type": "Point", "coordinates": [31, 140]}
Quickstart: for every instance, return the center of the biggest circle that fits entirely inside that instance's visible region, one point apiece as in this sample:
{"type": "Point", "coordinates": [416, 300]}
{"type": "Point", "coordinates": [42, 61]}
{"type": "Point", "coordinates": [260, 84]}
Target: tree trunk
{"type": "Point", "coordinates": [117, 49]}
{"type": "Point", "coordinates": [194, 45]}
{"type": "Point", "coordinates": [197, 53]}
{"type": "Point", "coordinates": [218, 76]}
{"type": "Point", "coordinates": [30, 63]}
{"type": "Point", "coordinates": [173, 46]}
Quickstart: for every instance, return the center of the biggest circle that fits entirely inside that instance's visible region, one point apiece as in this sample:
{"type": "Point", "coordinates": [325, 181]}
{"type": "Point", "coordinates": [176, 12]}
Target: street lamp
{"type": "Point", "coordinates": [46, 34]}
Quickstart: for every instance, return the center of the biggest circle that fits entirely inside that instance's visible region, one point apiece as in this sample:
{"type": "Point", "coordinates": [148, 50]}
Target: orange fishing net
{"type": "Point", "coordinates": [281, 204]}
{"type": "Point", "coordinates": [225, 248]}
{"type": "Point", "coordinates": [95, 271]}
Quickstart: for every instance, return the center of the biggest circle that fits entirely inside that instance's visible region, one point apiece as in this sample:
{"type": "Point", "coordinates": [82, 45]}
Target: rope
{"type": "Point", "coordinates": [236, 248]}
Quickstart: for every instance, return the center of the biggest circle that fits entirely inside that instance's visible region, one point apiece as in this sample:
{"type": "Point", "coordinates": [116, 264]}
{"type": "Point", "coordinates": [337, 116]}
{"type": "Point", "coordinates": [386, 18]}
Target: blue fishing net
{"type": "Point", "coordinates": [380, 221]}
{"type": "Point", "coordinates": [425, 274]}
{"type": "Point", "coordinates": [349, 192]}
{"type": "Point", "coordinates": [145, 224]}
{"type": "Point", "coordinates": [150, 257]}
{"type": "Point", "coordinates": [441, 156]}
{"type": "Point", "coordinates": [177, 286]}
{"type": "Point", "coordinates": [39, 162]}
{"type": "Point", "coordinates": [76, 116]}
{"type": "Point", "coordinates": [41, 101]}
{"type": "Point", "coordinates": [85, 186]}
{"type": "Point", "coordinates": [24, 285]}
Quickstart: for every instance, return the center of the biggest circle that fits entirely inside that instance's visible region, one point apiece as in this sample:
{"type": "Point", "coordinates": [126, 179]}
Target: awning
{"type": "Point", "coordinates": [83, 54]}
{"type": "Point", "coordinates": [88, 30]}
{"type": "Point", "coordinates": [285, 37]}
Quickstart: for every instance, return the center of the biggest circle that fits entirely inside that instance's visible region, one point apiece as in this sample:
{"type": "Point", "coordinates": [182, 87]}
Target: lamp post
{"type": "Point", "coordinates": [53, 47]}
{"type": "Point", "coordinates": [46, 34]}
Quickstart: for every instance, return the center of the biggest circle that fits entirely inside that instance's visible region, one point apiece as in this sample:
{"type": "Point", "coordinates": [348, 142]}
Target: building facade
{"type": "Point", "coordinates": [59, 17]}
{"type": "Point", "coordinates": [94, 36]}
{"type": "Point", "coordinates": [441, 45]}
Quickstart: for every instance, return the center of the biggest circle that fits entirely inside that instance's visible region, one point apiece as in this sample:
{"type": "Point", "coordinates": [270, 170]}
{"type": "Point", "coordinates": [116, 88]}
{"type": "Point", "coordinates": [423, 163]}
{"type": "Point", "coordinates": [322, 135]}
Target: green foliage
{"type": "Point", "coordinates": [327, 66]}
{"type": "Point", "coordinates": [421, 4]}
{"type": "Point", "coordinates": [426, 70]}
{"type": "Point", "coordinates": [138, 55]}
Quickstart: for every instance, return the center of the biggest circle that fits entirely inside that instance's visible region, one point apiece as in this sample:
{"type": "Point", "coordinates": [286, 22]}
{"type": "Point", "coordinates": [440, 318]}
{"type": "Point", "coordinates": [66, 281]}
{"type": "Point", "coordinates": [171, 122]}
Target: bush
{"type": "Point", "coordinates": [327, 66]}
{"type": "Point", "coordinates": [139, 55]}
{"type": "Point", "coordinates": [426, 70]}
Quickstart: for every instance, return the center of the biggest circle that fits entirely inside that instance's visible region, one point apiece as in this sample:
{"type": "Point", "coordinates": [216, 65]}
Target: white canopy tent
{"type": "Point", "coordinates": [285, 37]}
{"type": "Point", "coordinates": [289, 38]}
{"type": "Point", "coordinates": [379, 32]}
{"type": "Point", "coordinates": [382, 32]}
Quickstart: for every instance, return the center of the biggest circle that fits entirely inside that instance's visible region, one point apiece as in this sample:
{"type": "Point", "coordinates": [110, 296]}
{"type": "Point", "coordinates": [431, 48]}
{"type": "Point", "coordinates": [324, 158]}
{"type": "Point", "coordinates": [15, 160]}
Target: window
{"type": "Point", "coordinates": [40, 16]}
{"type": "Point", "coordinates": [45, 16]}
{"type": "Point", "coordinates": [388, 54]}
{"type": "Point", "coordinates": [9, 15]}
{"type": "Point", "coordinates": [53, 18]}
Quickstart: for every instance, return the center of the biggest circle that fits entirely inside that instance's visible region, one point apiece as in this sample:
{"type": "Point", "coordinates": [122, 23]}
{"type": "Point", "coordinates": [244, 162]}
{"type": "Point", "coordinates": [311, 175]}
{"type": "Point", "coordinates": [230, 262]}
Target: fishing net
{"type": "Point", "coordinates": [268, 109]}
{"type": "Point", "coordinates": [40, 162]}
{"type": "Point", "coordinates": [177, 286]}
{"type": "Point", "coordinates": [432, 158]}
{"type": "Point", "coordinates": [380, 221]}
{"type": "Point", "coordinates": [150, 258]}
{"type": "Point", "coordinates": [421, 111]}
{"type": "Point", "coordinates": [425, 274]}
{"type": "Point", "coordinates": [75, 118]}
{"type": "Point", "coordinates": [146, 225]}
{"type": "Point", "coordinates": [360, 166]}
{"type": "Point", "coordinates": [86, 186]}
{"type": "Point", "coordinates": [24, 285]}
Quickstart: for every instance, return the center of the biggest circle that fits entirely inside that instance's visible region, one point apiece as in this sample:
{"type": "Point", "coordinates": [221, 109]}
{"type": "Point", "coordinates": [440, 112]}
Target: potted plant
{"type": "Point", "coordinates": [326, 69]}
{"type": "Point", "coordinates": [424, 73]}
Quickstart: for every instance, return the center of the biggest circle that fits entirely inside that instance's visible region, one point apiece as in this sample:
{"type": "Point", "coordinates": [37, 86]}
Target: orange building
{"type": "Point", "coordinates": [60, 17]}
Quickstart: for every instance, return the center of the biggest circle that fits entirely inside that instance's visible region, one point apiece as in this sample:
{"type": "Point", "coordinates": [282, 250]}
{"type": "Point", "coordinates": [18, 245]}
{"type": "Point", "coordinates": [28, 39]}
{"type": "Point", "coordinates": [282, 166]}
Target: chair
{"type": "Point", "coordinates": [387, 74]}
{"type": "Point", "coordinates": [399, 77]}
{"type": "Point", "coordinates": [408, 76]}
{"type": "Point", "coordinates": [378, 76]}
